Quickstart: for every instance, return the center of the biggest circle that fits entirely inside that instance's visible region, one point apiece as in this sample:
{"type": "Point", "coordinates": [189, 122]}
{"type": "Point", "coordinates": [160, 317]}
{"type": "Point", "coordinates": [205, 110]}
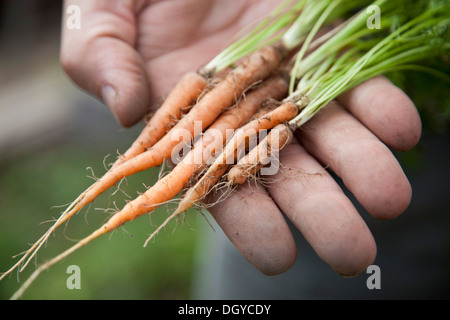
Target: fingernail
{"type": "Point", "coordinates": [109, 96]}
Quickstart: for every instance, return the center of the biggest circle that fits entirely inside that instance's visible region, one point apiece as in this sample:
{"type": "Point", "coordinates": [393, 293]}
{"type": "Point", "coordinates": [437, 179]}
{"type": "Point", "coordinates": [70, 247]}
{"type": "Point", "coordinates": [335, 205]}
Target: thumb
{"type": "Point", "coordinates": [100, 57]}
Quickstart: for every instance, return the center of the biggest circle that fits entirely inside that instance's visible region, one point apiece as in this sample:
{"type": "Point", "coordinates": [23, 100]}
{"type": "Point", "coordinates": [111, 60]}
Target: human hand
{"type": "Point", "coordinates": [349, 137]}
{"type": "Point", "coordinates": [130, 53]}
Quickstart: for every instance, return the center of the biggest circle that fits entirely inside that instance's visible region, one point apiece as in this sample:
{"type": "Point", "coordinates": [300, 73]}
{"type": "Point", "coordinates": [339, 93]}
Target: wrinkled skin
{"type": "Point", "coordinates": [131, 53]}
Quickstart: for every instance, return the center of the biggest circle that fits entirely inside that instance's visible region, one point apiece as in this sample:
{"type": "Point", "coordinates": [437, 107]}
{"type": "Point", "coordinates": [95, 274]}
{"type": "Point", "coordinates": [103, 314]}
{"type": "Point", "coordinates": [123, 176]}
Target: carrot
{"type": "Point", "coordinates": [233, 118]}
{"type": "Point", "coordinates": [258, 67]}
{"type": "Point", "coordinates": [181, 97]}
{"type": "Point", "coordinates": [51, 262]}
{"type": "Point", "coordinates": [170, 185]}
{"type": "Point", "coordinates": [254, 68]}
{"type": "Point", "coordinates": [259, 156]}
{"type": "Point", "coordinates": [166, 188]}
{"type": "Point", "coordinates": [194, 193]}
{"type": "Point", "coordinates": [179, 100]}
{"type": "Point", "coordinates": [283, 113]}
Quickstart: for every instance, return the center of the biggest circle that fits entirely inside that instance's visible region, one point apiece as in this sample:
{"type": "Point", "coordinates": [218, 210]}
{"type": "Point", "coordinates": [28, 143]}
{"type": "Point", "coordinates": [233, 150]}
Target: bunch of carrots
{"type": "Point", "coordinates": [271, 81]}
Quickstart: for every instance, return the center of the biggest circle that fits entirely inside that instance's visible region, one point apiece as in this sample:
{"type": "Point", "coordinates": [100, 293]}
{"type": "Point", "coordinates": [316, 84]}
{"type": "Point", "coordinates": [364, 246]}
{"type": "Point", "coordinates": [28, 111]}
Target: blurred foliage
{"type": "Point", "coordinates": [430, 93]}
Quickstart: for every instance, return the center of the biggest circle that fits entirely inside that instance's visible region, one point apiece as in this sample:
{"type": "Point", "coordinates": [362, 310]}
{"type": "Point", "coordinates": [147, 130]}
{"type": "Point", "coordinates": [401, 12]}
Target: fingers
{"type": "Point", "coordinates": [100, 57]}
{"type": "Point", "coordinates": [386, 110]}
{"type": "Point", "coordinates": [316, 205]}
{"type": "Point", "coordinates": [255, 225]}
{"type": "Point", "coordinates": [310, 197]}
{"type": "Point", "coordinates": [366, 166]}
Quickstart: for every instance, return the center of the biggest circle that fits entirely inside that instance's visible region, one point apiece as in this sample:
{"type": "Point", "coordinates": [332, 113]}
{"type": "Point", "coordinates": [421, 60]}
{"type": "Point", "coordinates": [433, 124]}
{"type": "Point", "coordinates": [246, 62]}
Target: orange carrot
{"type": "Point", "coordinates": [254, 68]}
{"type": "Point", "coordinates": [235, 117]}
{"type": "Point", "coordinates": [257, 67]}
{"type": "Point", "coordinates": [167, 187]}
{"type": "Point", "coordinates": [170, 185]}
{"type": "Point", "coordinates": [259, 156]}
{"type": "Point", "coordinates": [181, 98]}
{"type": "Point", "coordinates": [283, 113]}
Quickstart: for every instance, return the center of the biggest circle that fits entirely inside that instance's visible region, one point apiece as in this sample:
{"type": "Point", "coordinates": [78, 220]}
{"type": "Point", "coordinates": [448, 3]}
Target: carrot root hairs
{"type": "Point", "coordinates": [281, 114]}
{"type": "Point", "coordinates": [168, 186]}
{"type": "Point", "coordinates": [263, 154]}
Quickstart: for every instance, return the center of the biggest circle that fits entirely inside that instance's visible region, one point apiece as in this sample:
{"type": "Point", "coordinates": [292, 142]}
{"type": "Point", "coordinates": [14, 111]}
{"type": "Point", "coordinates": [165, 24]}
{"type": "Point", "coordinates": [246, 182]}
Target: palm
{"type": "Point", "coordinates": [174, 37]}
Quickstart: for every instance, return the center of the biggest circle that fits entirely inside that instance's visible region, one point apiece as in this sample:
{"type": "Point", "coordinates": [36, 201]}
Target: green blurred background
{"type": "Point", "coordinates": [50, 133]}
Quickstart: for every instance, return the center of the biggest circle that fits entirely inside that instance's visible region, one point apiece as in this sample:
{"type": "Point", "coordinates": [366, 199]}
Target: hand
{"type": "Point", "coordinates": [347, 137]}
{"type": "Point", "coordinates": [131, 53]}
